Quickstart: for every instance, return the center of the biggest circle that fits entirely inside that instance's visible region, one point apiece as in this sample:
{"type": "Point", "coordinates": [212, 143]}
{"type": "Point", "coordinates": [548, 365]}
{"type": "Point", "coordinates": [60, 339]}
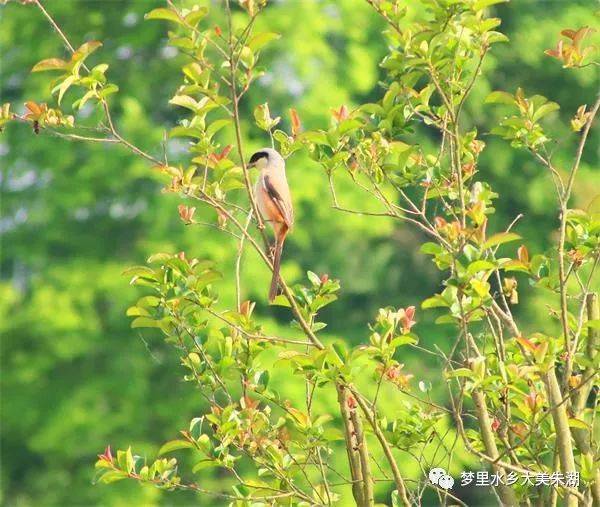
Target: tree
{"type": "Point", "coordinates": [529, 416]}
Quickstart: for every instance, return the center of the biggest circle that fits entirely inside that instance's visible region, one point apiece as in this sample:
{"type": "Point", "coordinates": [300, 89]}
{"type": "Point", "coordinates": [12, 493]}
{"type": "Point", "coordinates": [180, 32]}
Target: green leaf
{"type": "Point", "coordinates": [481, 288]}
{"type": "Point", "coordinates": [349, 125]}
{"type": "Point", "coordinates": [175, 445]}
{"type": "Point", "coordinates": [82, 101]}
{"type": "Point", "coordinates": [371, 108]}
{"type": "Point", "coordinates": [129, 461]}
{"type": "Point", "coordinates": [262, 115]}
{"type": "Point", "coordinates": [204, 443]}
{"type": "Point", "coordinates": [261, 39]}
{"type": "Point", "coordinates": [290, 354]}
{"type": "Point", "coordinates": [158, 258]}
{"type": "Point", "coordinates": [406, 339]}
{"type": "Point", "coordinates": [185, 101]}
{"type": "Point", "coordinates": [196, 15]}
{"type": "Point", "coordinates": [431, 248]}
{"type": "Point", "coordinates": [186, 132]}
{"type": "Point", "coordinates": [65, 85]}
{"type": "Point", "coordinates": [436, 301]}
{"type": "Point", "coordinates": [545, 109]}
{"type": "Point", "coordinates": [139, 271]}
{"type": "Point", "coordinates": [460, 372]}
{"type": "Point", "coordinates": [482, 4]}
{"type": "Point", "coordinates": [193, 71]}
{"type": "Point", "coordinates": [314, 136]}
{"type": "Point", "coordinates": [314, 278]}
{"type": "Point", "coordinates": [445, 319]}
{"type": "Point", "coordinates": [145, 322]}
{"type": "Point", "coordinates": [217, 125]}
{"type": "Point", "coordinates": [148, 301]}
{"type": "Point", "coordinates": [50, 64]}
{"type": "Point", "coordinates": [501, 238]}
{"type": "Point", "coordinates": [515, 265]}
{"type": "Point", "coordinates": [493, 37]}
{"type": "Point", "coordinates": [247, 57]}
{"type": "Point", "coordinates": [500, 97]}
{"type": "Point", "coordinates": [281, 300]}
{"type": "Point", "coordinates": [113, 476]}
{"type": "Point", "coordinates": [136, 311]}
{"type": "Point", "coordinates": [85, 50]}
{"type": "Point", "coordinates": [578, 423]}
{"type": "Point", "coordinates": [477, 266]}
{"type": "Point", "coordinates": [317, 326]}
{"type": "Point", "coordinates": [163, 13]}
{"type": "Point", "coordinates": [205, 463]}
{"type": "Point", "coordinates": [108, 90]}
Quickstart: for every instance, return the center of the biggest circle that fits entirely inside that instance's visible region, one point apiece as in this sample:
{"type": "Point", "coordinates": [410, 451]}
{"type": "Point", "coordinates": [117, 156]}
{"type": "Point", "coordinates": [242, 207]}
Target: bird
{"type": "Point", "coordinates": [274, 203]}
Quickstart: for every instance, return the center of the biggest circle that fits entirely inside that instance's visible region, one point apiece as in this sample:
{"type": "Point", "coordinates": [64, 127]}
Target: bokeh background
{"type": "Point", "coordinates": [73, 216]}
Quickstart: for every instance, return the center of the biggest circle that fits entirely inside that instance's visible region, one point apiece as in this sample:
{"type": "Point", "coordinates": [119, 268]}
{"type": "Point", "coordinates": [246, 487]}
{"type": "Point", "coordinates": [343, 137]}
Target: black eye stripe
{"type": "Point", "coordinates": [258, 155]}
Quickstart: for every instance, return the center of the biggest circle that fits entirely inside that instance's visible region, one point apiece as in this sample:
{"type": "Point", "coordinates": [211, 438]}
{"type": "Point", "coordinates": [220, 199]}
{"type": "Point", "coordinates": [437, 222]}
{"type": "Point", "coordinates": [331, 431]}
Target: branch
{"type": "Point", "coordinates": [103, 101]}
{"type": "Point", "coordinates": [582, 436]}
{"type": "Point", "coordinates": [563, 432]}
{"type": "Point", "coordinates": [579, 153]}
{"type": "Point", "coordinates": [363, 454]}
{"type": "Point", "coordinates": [564, 202]}
{"type": "Point", "coordinates": [369, 416]}
{"type": "Point", "coordinates": [236, 121]}
{"type": "Point", "coordinates": [353, 459]}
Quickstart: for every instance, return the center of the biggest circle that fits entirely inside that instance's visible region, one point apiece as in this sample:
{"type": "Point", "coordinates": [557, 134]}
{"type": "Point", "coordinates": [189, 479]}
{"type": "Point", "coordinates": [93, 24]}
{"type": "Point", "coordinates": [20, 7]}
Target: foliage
{"type": "Point", "coordinates": [279, 448]}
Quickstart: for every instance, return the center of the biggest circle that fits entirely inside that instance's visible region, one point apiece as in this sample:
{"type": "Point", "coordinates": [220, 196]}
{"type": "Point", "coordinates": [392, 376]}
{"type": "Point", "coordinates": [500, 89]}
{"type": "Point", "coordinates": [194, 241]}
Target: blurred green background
{"type": "Point", "coordinates": [73, 216]}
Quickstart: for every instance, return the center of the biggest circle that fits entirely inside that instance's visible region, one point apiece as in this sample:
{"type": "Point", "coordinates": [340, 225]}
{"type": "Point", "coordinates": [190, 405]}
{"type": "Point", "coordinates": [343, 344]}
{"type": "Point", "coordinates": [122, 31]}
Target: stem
{"type": "Point", "coordinates": [581, 436]}
{"type": "Point", "coordinates": [353, 459]}
{"type": "Point", "coordinates": [506, 494]}
{"type": "Point", "coordinates": [563, 432]}
{"type": "Point", "coordinates": [363, 454]}
{"type": "Point", "coordinates": [593, 344]}
{"type": "Point", "coordinates": [400, 485]}
{"type": "Point", "coordinates": [455, 143]}
{"type": "Point", "coordinates": [579, 153]}
{"type": "Point", "coordinates": [236, 122]}
{"type": "Point", "coordinates": [564, 202]}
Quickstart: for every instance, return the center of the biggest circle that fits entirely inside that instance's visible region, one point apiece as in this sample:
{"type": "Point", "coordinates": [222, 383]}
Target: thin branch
{"type": "Point", "coordinates": [369, 416]}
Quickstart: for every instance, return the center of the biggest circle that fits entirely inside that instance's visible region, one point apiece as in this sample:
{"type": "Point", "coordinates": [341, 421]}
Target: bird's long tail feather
{"type": "Point", "coordinates": [276, 264]}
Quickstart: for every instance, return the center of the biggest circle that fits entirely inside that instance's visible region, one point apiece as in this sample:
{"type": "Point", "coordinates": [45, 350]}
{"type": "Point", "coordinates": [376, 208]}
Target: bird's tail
{"type": "Point", "coordinates": [276, 264]}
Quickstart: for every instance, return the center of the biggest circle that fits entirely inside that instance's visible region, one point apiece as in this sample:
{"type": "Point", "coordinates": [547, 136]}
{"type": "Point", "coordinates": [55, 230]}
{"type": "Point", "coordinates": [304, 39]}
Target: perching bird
{"type": "Point", "coordinates": [274, 203]}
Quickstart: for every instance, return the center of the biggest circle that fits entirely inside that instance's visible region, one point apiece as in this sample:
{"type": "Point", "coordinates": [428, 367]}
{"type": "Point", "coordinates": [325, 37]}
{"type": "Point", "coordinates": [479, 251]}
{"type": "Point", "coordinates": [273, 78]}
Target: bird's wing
{"type": "Point", "coordinates": [284, 207]}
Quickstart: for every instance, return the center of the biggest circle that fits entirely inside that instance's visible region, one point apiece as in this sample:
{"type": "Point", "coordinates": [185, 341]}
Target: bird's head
{"type": "Point", "coordinates": [266, 157]}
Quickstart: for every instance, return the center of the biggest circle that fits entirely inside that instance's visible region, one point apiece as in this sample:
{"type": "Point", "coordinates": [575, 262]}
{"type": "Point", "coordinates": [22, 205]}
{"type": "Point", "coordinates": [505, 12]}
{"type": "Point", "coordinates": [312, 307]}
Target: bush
{"type": "Point", "coordinates": [522, 402]}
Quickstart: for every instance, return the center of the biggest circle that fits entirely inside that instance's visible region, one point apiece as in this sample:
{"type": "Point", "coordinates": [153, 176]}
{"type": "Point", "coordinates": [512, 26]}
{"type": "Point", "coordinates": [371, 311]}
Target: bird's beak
{"type": "Point", "coordinates": [251, 165]}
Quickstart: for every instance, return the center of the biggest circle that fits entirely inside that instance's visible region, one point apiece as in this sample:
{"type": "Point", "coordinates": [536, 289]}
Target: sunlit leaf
{"type": "Point", "coordinates": [501, 238]}
{"type": "Point", "coordinates": [261, 39]}
{"type": "Point", "coordinates": [163, 13]}
{"type": "Point", "coordinates": [175, 445]}
{"type": "Point", "coordinates": [482, 4]}
{"type": "Point", "coordinates": [50, 64]}
{"type": "Point", "coordinates": [500, 97]}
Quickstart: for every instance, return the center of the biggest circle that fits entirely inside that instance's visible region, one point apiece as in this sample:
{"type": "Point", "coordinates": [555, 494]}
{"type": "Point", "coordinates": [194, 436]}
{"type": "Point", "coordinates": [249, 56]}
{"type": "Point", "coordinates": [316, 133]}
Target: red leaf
{"type": "Point", "coordinates": [296, 125]}
{"type": "Point", "coordinates": [340, 114]}
{"type": "Point", "coordinates": [523, 254]}
{"type": "Point", "coordinates": [527, 343]}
